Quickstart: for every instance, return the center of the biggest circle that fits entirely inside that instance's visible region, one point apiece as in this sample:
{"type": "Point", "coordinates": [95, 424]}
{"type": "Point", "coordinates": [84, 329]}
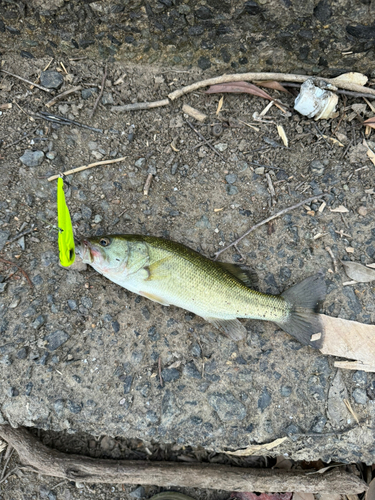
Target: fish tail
{"type": "Point", "coordinates": [303, 321]}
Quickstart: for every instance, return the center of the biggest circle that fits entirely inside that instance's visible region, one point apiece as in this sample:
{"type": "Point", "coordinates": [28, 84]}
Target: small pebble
{"type": "Point", "coordinates": [51, 79]}
{"type": "Point", "coordinates": [221, 146]}
{"type": "Point", "coordinates": [362, 211]}
{"type": "Point", "coordinates": [138, 492]}
{"type": "Point", "coordinates": [231, 178]}
{"type": "Point", "coordinates": [259, 170]}
{"type": "Point", "coordinates": [317, 167]}
{"type": "Point", "coordinates": [360, 396]}
{"type": "Point", "coordinates": [32, 158]}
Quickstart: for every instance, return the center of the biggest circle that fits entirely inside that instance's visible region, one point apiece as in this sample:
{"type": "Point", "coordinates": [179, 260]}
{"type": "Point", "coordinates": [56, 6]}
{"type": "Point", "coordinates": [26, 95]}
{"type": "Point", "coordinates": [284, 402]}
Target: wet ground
{"type": "Point", "coordinates": [81, 355]}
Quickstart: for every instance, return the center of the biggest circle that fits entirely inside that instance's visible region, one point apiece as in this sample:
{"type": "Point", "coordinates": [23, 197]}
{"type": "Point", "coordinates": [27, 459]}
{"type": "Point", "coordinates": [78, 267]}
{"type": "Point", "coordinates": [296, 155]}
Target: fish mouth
{"type": "Point", "coordinates": [86, 251]}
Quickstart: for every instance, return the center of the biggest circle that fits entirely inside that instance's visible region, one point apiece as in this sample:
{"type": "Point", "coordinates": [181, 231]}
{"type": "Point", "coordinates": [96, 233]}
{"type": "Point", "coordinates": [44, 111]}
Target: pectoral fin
{"type": "Point", "coordinates": [154, 298]}
{"type": "Point", "coordinates": [232, 328]}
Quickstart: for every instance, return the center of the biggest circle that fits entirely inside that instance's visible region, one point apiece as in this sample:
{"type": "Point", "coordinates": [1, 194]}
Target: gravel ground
{"type": "Point", "coordinates": [80, 355]}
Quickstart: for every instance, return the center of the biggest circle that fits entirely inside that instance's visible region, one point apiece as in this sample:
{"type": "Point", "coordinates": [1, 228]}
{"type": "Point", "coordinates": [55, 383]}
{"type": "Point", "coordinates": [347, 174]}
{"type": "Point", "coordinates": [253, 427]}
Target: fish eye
{"type": "Point", "coordinates": [104, 242]}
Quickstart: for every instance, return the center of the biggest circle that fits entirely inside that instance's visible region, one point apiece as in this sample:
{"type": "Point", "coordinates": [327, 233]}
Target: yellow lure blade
{"type": "Point", "coordinates": [66, 238]}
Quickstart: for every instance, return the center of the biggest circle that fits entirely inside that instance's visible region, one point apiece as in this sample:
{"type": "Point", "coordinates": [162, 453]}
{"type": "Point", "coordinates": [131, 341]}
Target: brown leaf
{"type": "Point", "coordinates": [238, 88]}
{"type": "Point", "coordinates": [358, 272]}
{"type": "Point", "coordinates": [269, 84]}
{"type": "Point", "coordinates": [370, 122]}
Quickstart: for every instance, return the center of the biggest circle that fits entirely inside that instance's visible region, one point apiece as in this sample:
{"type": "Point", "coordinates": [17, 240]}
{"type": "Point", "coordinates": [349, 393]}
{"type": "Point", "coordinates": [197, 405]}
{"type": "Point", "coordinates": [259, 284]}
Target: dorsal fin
{"type": "Point", "coordinates": [241, 272]}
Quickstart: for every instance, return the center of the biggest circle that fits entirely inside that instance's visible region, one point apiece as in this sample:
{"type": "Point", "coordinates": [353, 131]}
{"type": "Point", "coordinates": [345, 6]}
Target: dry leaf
{"type": "Point", "coordinates": [335, 141]}
{"type": "Point", "coordinates": [341, 209]}
{"type": "Point", "coordinates": [370, 122]}
{"type": "Point", "coordinates": [220, 105]}
{"type": "Point", "coordinates": [282, 134]}
{"type": "Point", "coordinates": [370, 493]}
{"type": "Point", "coordinates": [273, 85]}
{"type": "Point", "coordinates": [358, 272]}
{"type": "Point", "coordinates": [256, 448]}
{"type": "Point", "coordinates": [349, 339]}
{"type": "Point", "coordinates": [351, 77]}
{"type": "Point", "coordinates": [238, 88]}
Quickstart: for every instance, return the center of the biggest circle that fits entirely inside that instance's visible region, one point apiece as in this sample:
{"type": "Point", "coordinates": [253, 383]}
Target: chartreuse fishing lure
{"type": "Point", "coordinates": [66, 238]}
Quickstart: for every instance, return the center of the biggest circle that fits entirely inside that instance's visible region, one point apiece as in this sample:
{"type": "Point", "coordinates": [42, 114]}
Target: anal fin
{"type": "Point", "coordinates": [232, 328]}
{"type": "Point", "coordinates": [154, 298]}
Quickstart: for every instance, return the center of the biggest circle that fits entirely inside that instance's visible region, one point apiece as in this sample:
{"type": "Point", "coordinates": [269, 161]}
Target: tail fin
{"type": "Point", "coordinates": [303, 321]}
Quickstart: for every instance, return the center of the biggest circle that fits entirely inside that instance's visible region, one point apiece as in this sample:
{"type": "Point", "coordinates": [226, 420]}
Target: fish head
{"type": "Point", "coordinates": [106, 254]}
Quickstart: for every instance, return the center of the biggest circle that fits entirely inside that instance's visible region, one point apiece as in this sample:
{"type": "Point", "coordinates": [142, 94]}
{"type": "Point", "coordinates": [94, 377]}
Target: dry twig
{"type": "Point", "coordinates": [85, 167]}
{"type": "Point", "coordinates": [136, 106]}
{"type": "Point", "coordinates": [278, 214]}
{"type": "Point", "coordinates": [63, 94]}
{"type": "Point", "coordinates": [19, 268]}
{"type": "Point", "coordinates": [50, 462]}
{"type": "Point", "coordinates": [26, 81]}
{"type": "Point", "coordinates": [100, 93]}
{"type": "Point", "coordinates": [147, 185]}
{"type": "Point", "coordinates": [334, 261]}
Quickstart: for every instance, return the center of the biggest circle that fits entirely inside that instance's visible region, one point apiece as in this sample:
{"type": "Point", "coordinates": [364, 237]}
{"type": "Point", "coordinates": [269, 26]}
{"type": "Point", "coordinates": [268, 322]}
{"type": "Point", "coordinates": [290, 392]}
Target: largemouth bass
{"type": "Point", "coordinates": [172, 274]}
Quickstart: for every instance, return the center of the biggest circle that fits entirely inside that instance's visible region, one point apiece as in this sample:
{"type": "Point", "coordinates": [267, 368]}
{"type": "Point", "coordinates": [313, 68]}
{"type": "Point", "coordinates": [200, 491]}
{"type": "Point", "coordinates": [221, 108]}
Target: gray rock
{"type": "Point", "coordinates": [140, 162]}
{"type": "Point", "coordinates": [86, 302]}
{"type": "Point", "coordinates": [4, 235]}
{"type": "Point", "coordinates": [38, 322]}
{"type": "Point", "coordinates": [317, 167]}
{"type": "Point", "coordinates": [72, 304]}
{"type": "Point", "coordinates": [264, 400]}
{"type": "Point", "coordinates": [107, 98]}
{"type": "Point", "coordinates": [360, 396]}
{"type": "Point", "coordinates": [203, 222]}
{"type": "Point", "coordinates": [231, 178]}
{"type": "Point", "coordinates": [227, 406]}
{"type": "Point", "coordinates": [318, 424]}
{"type": "Point", "coordinates": [56, 339]}
{"type": "Point", "coordinates": [3, 287]}
{"type": "Point", "coordinates": [87, 93]}
{"type": "Point", "coordinates": [360, 377]}
{"type": "Point", "coordinates": [128, 384]}
{"type": "Point", "coordinates": [286, 391]}
{"type": "Point", "coordinates": [51, 79]}
{"type": "Point", "coordinates": [32, 158]}
{"type": "Point", "coordinates": [191, 371]}
{"type": "Point", "coordinates": [138, 492]}
{"type": "Point", "coordinates": [170, 374]}
{"type": "Point", "coordinates": [231, 190]}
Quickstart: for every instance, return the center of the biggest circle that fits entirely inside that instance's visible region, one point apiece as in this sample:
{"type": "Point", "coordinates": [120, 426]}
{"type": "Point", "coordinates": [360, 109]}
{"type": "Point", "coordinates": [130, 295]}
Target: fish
{"type": "Point", "coordinates": [170, 273]}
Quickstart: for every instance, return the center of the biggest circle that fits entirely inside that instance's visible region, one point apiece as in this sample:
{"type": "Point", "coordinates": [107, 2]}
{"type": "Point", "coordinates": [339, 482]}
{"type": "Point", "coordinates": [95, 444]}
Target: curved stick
{"type": "Point", "coordinates": [198, 475]}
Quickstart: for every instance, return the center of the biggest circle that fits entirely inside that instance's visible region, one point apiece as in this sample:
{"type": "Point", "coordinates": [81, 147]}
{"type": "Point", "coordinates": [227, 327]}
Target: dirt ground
{"type": "Point", "coordinates": [196, 198]}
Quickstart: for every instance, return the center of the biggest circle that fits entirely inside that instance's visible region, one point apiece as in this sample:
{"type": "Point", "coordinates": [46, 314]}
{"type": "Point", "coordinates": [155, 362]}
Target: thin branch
{"type": "Point", "coordinates": [19, 268]}
{"type": "Point", "coordinates": [63, 94]}
{"type": "Point", "coordinates": [26, 81]}
{"type": "Point", "coordinates": [196, 475]}
{"type": "Point", "coordinates": [135, 106]}
{"type": "Point", "coordinates": [23, 233]}
{"type": "Point", "coordinates": [85, 167]}
{"type": "Point", "coordinates": [278, 214]}
{"type": "Point", "coordinates": [147, 185]}
{"type": "Point", "coordinates": [100, 93]}
{"type": "Point", "coordinates": [278, 77]}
